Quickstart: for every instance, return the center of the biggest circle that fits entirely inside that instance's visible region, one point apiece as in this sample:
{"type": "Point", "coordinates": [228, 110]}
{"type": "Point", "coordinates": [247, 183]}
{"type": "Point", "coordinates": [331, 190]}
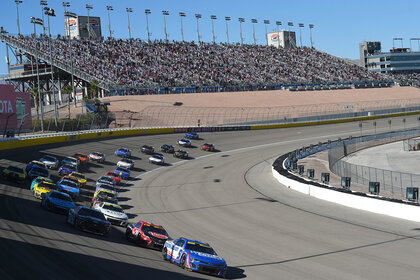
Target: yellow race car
{"type": "Point", "coordinates": [13, 173]}
{"type": "Point", "coordinates": [81, 178]}
{"type": "Point", "coordinates": [43, 187]}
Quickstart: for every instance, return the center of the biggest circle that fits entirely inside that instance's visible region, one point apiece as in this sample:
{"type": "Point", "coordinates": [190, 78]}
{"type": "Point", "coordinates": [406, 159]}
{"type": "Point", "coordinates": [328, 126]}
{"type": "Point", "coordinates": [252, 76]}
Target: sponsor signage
{"type": "Point", "coordinates": [15, 109]}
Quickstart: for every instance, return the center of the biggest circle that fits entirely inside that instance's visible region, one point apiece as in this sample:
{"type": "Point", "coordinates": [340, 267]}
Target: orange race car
{"type": "Point", "coordinates": [81, 157]}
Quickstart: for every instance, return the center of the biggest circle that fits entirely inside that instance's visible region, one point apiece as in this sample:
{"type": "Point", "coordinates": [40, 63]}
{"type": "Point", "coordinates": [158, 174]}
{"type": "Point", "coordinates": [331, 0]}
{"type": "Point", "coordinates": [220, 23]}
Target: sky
{"type": "Point", "coordinates": [339, 25]}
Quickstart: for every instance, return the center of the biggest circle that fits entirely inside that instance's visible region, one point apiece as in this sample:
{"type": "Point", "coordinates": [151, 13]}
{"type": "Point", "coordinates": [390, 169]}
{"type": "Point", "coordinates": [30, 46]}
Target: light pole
{"type": "Point", "coordinates": [147, 12]}
{"type": "Point", "coordinates": [290, 24]}
{"type": "Point", "coordinates": [165, 13]}
{"type": "Point", "coordinates": [109, 8]}
{"type": "Point", "coordinates": [227, 29]}
{"type": "Point", "coordinates": [254, 21]}
{"type": "Point", "coordinates": [181, 15]}
{"type": "Point", "coordinates": [198, 16]}
{"type": "Point", "coordinates": [415, 39]}
{"type": "Point", "coordinates": [129, 10]}
{"type": "Point", "coordinates": [71, 15]}
{"type": "Point", "coordinates": [278, 23]}
{"type": "Point", "coordinates": [50, 12]}
{"type": "Point", "coordinates": [88, 8]}
{"type": "Point", "coordinates": [17, 14]}
{"type": "Point", "coordinates": [45, 4]}
{"type": "Point", "coordinates": [311, 26]}
{"type": "Point", "coordinates": [36, 21]}
{"type": "Point", "coordinates": [300, 33]}
{"type": "Point", "coordinates": [266, 22]}
{"type": "Point", "coordinates": [241, 20]}
{"type": "Point", "coordinates": [213, 17]}
{"type": "Point", "coordinates": [66, 5]}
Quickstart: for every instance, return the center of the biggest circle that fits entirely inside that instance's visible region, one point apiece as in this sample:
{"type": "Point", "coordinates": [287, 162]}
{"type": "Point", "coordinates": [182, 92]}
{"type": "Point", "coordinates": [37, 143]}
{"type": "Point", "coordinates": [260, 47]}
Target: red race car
{"type": "Point", "coordinates": [207, 147]}
{"type": "Point", "coordinates": [147, 235]}
{"type": "Point", "coordinates": [115, 176]}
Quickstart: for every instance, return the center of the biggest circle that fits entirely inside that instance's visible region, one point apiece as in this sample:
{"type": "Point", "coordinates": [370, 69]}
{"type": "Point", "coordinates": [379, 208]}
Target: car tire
{"type": "Point", "coordinates": [183, 261]}
{"type": "Point", "coordinates": [68, 219]}
{"type": "Point", "coordinates": [127, 235]}
{"type": "Point", "coordinates": [164, 254]}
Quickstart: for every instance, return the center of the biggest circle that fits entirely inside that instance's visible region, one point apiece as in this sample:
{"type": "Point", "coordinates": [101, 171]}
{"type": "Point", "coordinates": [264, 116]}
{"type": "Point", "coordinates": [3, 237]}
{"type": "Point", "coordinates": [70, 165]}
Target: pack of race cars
{"type": "Point", "coordinates": [104, 210]}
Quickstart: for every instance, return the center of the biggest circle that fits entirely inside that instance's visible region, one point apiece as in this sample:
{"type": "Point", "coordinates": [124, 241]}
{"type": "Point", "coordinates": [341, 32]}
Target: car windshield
{"type": "Point", "coordinates": [91, 213]}
{"type": "Point", "coordinates": [150, 228]}
{"type": "Point", "coordinates": [158, 156]}
{"type": "Point", "coordinates": [107, 187]}
{"type": "Point", "coordinates": [15, 169]}
{"type": "Point", "coordinates": [47, 186]}
{"type": "Point", "coordinates": [81, 155]}
{"type": "Point", "coordinates": [97, 154]}
{"type": "Point", "coordinates": [78, 175]}
{"type": "Point", "coordinates": [112, 174]}
{"type": "Point", "coordinates": [40, 171]}
{"type": "Point", "coordinates": [113, 208]}
{"type": "Point", "coordinates": [193, 246]}
{"type": "Point", "coordinates": [121, 169]}
{"type": "Point", "coordinates": [106, 179]}
{"type": "Point", "coordinates": [48, 158]}
{"type": "Point", "coordinates": [68, 166]}
{"type": "Point", "coordinates": [71, 159]}
{"type": "Point", "coordinates": [69, 183]}
{"type": "Point", "coordinates": [60, 196]}
{"type": "Point", "coordinates": [126, 160]}
{"type": "Point", "coordinates": [105, 196]}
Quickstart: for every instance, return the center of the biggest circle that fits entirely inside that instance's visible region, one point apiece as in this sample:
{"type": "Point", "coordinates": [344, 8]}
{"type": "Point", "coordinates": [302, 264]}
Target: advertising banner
{"type": "Point", "coordinates": [15, 110]}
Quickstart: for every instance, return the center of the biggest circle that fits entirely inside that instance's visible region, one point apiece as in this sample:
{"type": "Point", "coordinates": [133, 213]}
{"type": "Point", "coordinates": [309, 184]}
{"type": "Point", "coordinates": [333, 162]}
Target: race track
{"type": "Point", "coordinates": [227, 198]}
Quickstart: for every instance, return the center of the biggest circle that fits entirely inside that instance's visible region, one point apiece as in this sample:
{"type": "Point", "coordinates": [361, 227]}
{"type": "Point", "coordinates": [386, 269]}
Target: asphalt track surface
{"type": "Point", "coordinates": [227, 198]}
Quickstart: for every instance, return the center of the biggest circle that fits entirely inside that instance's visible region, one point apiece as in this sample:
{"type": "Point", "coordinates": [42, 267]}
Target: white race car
{"type": "Point", "coordinates": [157, 159]}
{"type": "Point", "coordinates": [184, 142]}
{"type": "Point", "coordinates": [97, 156]}
{"type": "Point", "coordinates": [50, 161]}
{"type": "Point", "coordinates": [113, 213]}
{"type": "Point", "coordinates": [125, 162]}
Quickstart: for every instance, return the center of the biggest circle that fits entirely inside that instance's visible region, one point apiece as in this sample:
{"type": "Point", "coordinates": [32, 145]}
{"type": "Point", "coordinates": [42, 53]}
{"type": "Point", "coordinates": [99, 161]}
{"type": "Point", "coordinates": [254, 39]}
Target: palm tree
{"type": "Point", "coordinates": [68, 90]}
{"type": "Point", "coordinates": [35, 96]}
{"type": "Point", "coordinates": [93, 89]}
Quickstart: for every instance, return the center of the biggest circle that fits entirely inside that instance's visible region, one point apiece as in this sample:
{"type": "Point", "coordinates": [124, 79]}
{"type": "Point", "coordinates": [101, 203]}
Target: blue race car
{"type": "Point", "coordinates": [194, 255]}
{"type": "Point", "coordinates": [57, 201]}
{"type": "Point", "coordinates": [67, 169]}
{"type": "Point", "coordinates": [123, 152]}
{"type": "Point", "coordinates": [40, 179]}
{"type": "Point", "coordinates": [69, 187]}
{"type": "Point", "coordinates": [192, 135]}
{"type": "Point", "coordinates": [124, 172]}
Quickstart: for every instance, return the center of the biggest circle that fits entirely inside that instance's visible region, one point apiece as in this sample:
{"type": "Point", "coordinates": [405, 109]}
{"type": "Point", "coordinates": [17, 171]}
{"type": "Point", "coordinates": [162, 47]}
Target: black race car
{"type": "Point", "coordinates": [88, 219]}
{"type": "Point", "coordinates": [181, 154]}
{"type": "Point", "coordinates": [147, 149]}
{"type": "Point", "coordinates": [166, 148]}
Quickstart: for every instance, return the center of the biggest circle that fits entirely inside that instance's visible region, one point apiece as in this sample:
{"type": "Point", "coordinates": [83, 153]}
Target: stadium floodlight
{"type": "Point", "coordinates": [197, 17]}
{"type": "Point", "coordinates": [181, 15]}
{"type": "Point", "coordinates": [311, 26]}
{"type": "Point", "coordinates": [66, 5]}
{"type": "Point", "coordinates": [38, 21]}
{"type": "Point", "coordinates": [254, 21]}
{"type": "Point", "coordinates": [45, 4]}
{"type": "Point", "coordinates": [17, 14]}
{"type": "Point", "coordinates": [266, 22]}
{"type": "Point", "coordinates": [147, 12]}
{"type": "Point", "coordinates": [213, 17]}
{"type": "Point", "coordinates": [129, 10]}
{"type": "Point", "coordinates": [88, 8]}
{"type": "Point", "coordinates": [300, 33]}
{"type": "Point", "coordinates": [165, 13]}
{"type": "Point", "coordinates": [290, 24]}
{"type": "Point", "coordinates": [227, 29]}
{"type": "Point", "coordinates": [109, 9]}
{"type": "Point", "coordinates": [241, 20]}
{"type": "Point", "coordinates": [397, 39]}
{"type": "Point", "coordinates": [71, 15]}
{"type": "Point", "coordinates": [418, 42]}
{"type": "Point", "coordinates": [278, 23]}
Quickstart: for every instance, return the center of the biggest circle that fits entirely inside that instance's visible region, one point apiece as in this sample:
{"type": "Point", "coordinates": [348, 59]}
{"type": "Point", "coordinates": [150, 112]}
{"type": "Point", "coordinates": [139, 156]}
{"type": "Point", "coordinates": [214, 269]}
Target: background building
{"type": "Point", "coordinates": [78, 27]}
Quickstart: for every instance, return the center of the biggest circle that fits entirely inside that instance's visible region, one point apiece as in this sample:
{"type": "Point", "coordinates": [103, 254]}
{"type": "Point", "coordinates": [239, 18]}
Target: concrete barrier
{"type": "Point", "coordinates": [393, 209]}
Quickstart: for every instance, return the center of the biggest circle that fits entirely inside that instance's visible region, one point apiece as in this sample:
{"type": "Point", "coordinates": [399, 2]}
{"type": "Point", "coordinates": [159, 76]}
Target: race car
{"type": "Point", "coordinates": [71, 161]}
{"type": "Point", "coordinates": [13, 173]}
{"type": "Point", "coordinates": [184, 142]}
{"type": "Point", "coordinates": [105, 195]}
{"type": "Point", "coordinates": [181, 154]}
{"type": "Point", "coordinates": [125, 162]}
{"type": "Point", "coordinates": [147, 235]}
{"type": "Point", "coordinates": [97, 156]}
{"type": "Point", "coordinates": [67, 169]}
{"type": "Point", "coordinates": [115, 176]}
{"type": "Point", "coordinates": [113, 213]}
{"type": "Point", "coordinates": [88, 219]}
{"type": "Point", "coordinates": [69, 187]}
{"type": "Point", "coordinates": [191, 135]}
{"type": "Point", "coordinates": [83, 159]}
{"type": "Point", "coordinates": [124, 172]}
{"type": "Point", "coordinates": [147, 149]}
{"type": "Point", "coordinates": [166, 148]}
{"type": "Point", "coordinates": [34, 163]}
{"type": "Point", "coordinates": [106, 180]}
{"type": "Point", "coordinates": [194, 255]}
{"type": "Point", "coordinates": [123, 152]}
{"type": "Point", "coordinates": [43, 187]}
{"type": "Point", "coordinates": [40, 179]}
{"type": "Point", "coordinates": [103, 198]}
{"type": "Point", "coordinates": [37, 171]}
{"type": "Point", "coordinates": [81, 178]}
{"type": "Point", "coordinates": [207, 147]}
{"type": "Point", "coordinates": [106, 187]}
{"type": "Point", "coordinates": [157, 159]}
{"type": "Point", "coordinates": [72, 179]}
{"type": "Point", "coordinates": [50, 161]}
{"type": "Point", "coordinates": [57, 201]}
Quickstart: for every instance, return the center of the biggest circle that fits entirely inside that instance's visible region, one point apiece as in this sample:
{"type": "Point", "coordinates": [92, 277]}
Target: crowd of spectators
{"type": "Point", "coordinates": [140, 64]}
